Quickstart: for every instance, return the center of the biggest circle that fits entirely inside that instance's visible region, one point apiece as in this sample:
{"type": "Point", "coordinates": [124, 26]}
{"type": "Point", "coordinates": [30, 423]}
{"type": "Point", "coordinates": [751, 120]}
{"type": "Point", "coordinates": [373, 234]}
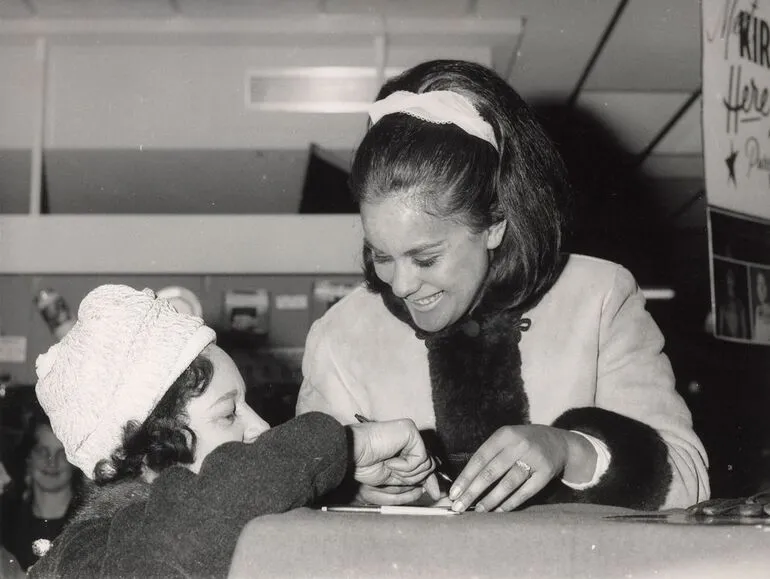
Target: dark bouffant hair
{"type": "Point", "coordinates": [451, 174]}
{"type": "Point", "coordinates": [163, 439]}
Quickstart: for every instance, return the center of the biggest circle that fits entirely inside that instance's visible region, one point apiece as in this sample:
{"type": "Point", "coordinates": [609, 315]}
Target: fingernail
{"type": "Point", "coordinates": [458, 507]}
{"type": "Point", "coordinates": [454, 492]}
{"type": "Point", "coordinates": [480, 508]}
{"type": "Point", "coordinates": [424, 490]}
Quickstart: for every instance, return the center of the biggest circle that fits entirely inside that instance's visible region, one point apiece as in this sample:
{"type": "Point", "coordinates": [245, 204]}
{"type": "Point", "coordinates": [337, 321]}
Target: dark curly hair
{"type": "Point", "coordinates": [164, 438]}
{"type": "Point", "coordinates": [453, 175]}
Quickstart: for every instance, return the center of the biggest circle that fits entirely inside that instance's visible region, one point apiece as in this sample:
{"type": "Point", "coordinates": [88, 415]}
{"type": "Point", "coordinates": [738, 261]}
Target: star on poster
{"type": "Point", "coordinates": [730, 161]}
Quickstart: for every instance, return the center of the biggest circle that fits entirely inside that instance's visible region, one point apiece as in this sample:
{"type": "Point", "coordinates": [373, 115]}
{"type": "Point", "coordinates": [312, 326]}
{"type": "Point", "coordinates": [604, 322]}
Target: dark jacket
{"type": "Point", "coordinates": [187, 525]}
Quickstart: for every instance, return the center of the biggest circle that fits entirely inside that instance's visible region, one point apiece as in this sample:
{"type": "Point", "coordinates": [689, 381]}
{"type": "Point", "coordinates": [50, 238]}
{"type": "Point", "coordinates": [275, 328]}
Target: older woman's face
{"type": "Point", "coordinates": [434, 265]}
{"type": "Point", "coordinates": [48, 466]}
{"type": "Point", "coordinates": [221, 413]}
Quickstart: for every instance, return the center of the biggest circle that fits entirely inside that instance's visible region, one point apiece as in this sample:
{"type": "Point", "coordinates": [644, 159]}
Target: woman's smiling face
{"type": "Point", "coordinates": [435, 265]}
{"type": "Point", "coordinates": [47, 463]}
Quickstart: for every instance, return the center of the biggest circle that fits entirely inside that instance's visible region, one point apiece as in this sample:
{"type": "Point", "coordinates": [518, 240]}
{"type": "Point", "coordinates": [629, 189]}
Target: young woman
{"type": "Point", "coordinates": [149, 407]}
{"type": "Point", "coordinates": [36, 508]}
{"type": "Point", "coordinates": [540, 374]}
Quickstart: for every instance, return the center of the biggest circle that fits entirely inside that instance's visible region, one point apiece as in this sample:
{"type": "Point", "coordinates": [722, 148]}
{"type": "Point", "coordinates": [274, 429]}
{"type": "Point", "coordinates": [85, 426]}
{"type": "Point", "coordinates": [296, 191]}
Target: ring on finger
{"type": "Point", "coordinates": [525, 467]}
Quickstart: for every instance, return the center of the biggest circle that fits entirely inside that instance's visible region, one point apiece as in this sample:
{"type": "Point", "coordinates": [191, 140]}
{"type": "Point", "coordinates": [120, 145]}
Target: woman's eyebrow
{"type": "Point", "coordinates": [410, 252]}
{"type": "Point", "coordinates": [224, 398]}
{"type": "Point", "coordinates": [424, 247]}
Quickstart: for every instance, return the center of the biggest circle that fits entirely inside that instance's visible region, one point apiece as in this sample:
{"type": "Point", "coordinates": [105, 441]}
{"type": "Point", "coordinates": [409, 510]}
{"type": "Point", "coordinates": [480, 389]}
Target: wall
{"type": "Point", "coordinates": [21, 84]}
{"type": "Point", "coordinates": [211, 181]}
{"type": "Point", "coordinates": [161, 125]}
{"type": "Point", "coordinates": [150, 93]}
{"type": "Point", "coordinates": [184, 96]}
{"type": "Point", "coordinates": [288, 328]}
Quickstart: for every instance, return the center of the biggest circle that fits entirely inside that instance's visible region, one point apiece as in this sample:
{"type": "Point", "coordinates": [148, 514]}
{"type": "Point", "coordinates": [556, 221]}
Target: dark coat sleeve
{"type": "Point", "coordinates": [639, 474]}
{"type": "Point", "coordinates": [190, 524]}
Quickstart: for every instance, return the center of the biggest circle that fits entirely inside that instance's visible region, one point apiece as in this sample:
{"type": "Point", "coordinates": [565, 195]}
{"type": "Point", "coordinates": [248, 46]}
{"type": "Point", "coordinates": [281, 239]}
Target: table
{"type": "Point", "coordinates": [551, 541]}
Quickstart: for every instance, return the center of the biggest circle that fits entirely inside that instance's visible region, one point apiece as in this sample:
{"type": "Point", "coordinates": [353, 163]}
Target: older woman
{"type": "Point", "coordinates": [149, 407]}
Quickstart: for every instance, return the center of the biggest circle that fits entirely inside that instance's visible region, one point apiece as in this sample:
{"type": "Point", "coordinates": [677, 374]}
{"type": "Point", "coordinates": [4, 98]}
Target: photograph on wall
{"type": "Point", "coordinates": [740, 266]}
{"type": "Point", "coordinates": [732, 299]}
{"type": "Point", "coordinates": [736, 152]}
{"type": "Point", "coordinates": [760, 304]}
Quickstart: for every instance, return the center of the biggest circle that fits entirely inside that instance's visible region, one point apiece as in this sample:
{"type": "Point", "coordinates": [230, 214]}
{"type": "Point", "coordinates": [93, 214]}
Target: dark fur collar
{"type": "Point", "coordinates": [476, 383]}
{"type": "Point", "coordinates": [475, 374]}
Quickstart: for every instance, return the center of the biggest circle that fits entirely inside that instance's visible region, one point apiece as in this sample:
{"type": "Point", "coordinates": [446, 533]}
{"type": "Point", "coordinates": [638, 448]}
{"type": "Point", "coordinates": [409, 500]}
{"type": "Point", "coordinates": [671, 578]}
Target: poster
{"type": "Point", "coordinates": [736, 150]}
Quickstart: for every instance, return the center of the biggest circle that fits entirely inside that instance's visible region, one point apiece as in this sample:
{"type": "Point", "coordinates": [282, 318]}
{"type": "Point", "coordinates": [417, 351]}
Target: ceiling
{"type": "Point", "coordinates": [633, 66]}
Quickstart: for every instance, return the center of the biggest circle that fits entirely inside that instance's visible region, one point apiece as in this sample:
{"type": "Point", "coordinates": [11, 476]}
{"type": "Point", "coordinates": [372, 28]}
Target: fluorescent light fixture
{"type": "Point", "coordinates": [321, 89]}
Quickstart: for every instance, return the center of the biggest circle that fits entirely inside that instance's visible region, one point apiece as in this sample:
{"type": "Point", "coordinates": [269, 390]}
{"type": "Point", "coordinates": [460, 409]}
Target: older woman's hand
{"type": "Point", "coordinates": [518, 461]}
{"type": "Point", "coordinates": [391, 462]}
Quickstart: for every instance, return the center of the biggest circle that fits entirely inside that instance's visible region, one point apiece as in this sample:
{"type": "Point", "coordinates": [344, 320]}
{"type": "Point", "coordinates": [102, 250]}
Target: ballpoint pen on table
{"type": "Point", "coordinates": [389, 510]}
{"type": "Point", "coordinates": [436, 460]}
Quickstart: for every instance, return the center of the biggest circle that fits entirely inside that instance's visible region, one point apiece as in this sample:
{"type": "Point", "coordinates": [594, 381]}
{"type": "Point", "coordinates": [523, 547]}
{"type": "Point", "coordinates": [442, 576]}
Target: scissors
{"type": "Point", "coordinates": [439, 464]}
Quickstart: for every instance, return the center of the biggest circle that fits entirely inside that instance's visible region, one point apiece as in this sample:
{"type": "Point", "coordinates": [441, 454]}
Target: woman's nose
{"type": "Point", "coordinates": [255, 425]}
{"type": "Point", "coordinates": [404, 282]}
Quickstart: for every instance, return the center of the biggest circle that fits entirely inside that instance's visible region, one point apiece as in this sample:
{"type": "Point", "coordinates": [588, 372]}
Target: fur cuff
{"type": "Point", "coordinates": [639, 475]}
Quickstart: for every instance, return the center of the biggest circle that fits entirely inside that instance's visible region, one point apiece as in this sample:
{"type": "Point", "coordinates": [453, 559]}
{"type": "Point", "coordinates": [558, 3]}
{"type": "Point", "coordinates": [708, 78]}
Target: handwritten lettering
{"type": "Point", "coordinates": [725, 26]}
{"type": "Point", "coordinates": [745, 102]}
{"type": "Point", "coordinates": [751, 32]}
{"type": "Point", "coordinates": [755, 157]}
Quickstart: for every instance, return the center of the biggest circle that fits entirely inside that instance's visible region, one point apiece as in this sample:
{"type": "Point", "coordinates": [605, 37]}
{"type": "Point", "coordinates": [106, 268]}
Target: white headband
{"type": "Point", "coordinates": [439, 106]}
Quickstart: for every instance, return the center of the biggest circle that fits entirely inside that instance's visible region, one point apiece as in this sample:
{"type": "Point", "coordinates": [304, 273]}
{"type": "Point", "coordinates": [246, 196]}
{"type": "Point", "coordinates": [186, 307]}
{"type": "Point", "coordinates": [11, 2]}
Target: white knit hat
{"type": "Point", "coordinates": [122, 355]}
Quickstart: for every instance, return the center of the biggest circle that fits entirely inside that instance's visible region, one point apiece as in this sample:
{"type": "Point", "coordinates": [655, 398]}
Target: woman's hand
{"type": "Point", "coordinates": [518, 461]}
{"type": "Point", "coordinates": [391, 462]}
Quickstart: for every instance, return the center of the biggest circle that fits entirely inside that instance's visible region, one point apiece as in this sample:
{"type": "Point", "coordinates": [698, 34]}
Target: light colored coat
{"type": "Point", "coordinates": [591, 344]}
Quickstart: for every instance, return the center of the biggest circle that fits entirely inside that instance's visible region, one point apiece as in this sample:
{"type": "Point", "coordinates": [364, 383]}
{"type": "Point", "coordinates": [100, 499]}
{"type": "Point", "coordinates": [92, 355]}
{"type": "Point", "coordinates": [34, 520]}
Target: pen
{"type": "Point", "coordinates": [439, 472]}
{"type": "Point", "coordinates": [390, 510]}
